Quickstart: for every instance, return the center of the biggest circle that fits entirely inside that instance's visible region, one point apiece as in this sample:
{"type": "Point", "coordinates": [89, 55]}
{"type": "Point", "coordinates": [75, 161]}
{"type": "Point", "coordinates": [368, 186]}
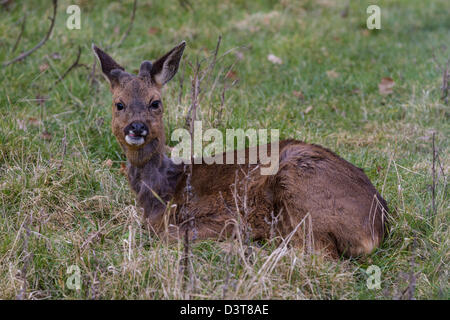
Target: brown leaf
{"type": "Point", "coordinates": [308, 109]}
{"type": "Point", "coordinates": [386, 85]}
{"type": "Point", "coordinates": [274, 59]}
{"type": "Point", "coordinates": [108, 163]}
{"type": "Point", "coordinates": [45, 135]}
{"type": "Point", "coordinates": [332, 74]}
{"type": "Point", "coordinates": [123, 168]}
{"type": "Point", "coordinates": [43, 67]}
{"type": "Point", "coordinates": [298, 94]}
{"type": "Point", "coordinates": [34, 122]}
{"type": "Point", "coordinates": [153, 30]}
{"type": "Point", "coordinates": [231, 75]}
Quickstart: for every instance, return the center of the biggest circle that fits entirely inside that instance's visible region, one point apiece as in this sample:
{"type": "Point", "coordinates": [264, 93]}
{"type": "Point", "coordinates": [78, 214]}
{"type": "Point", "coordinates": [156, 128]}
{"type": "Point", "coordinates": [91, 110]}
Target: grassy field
{"type": "Point", "coordinates": [64, 201]}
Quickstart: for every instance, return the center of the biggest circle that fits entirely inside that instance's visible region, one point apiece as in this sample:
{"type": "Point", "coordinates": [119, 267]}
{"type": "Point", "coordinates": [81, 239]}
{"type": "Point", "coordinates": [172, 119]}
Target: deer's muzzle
{"type": "Point", "coordinates": [135, 133]}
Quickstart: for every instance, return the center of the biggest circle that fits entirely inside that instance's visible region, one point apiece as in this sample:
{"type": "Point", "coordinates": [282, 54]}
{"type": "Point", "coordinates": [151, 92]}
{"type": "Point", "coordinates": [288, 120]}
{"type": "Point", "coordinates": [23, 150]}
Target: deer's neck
{"type": "Point", "coordinates": [150, 153]}
{"type": "Point", "coordinates": [154, 182]}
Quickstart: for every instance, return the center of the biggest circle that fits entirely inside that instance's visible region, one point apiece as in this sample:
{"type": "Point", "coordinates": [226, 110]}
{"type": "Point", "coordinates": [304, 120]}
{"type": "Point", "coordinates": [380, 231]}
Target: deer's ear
{"type": "Point", "coordinates": [111, 69]}
{"type": "Point", "coordinates": [166, 67]}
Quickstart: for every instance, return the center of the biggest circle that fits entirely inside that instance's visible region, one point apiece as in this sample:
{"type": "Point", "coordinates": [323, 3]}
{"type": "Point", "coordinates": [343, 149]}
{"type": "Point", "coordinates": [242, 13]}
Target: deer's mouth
{"type": "Point", "coordinates": [134, 140]}
{"type": "Point", "coordinates": [135, 133]}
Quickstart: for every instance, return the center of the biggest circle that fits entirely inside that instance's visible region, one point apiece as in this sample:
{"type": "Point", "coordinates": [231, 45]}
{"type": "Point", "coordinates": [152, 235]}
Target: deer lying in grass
{"type": "Point", "coordinates": [314, 193]}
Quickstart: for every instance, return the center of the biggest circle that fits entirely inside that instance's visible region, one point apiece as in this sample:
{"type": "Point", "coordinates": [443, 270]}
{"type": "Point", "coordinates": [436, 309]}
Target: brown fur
{"type": "Point", "coordinates": [330, 203]}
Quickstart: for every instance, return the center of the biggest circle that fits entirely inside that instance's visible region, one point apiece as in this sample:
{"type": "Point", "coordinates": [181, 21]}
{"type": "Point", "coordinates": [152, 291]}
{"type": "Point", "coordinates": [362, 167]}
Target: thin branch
{"type": "Point", "coordinates": [22, 29]}
{"type": "Point", "coordinates": [64, 150]}
{"type": "Point", "coordinates": [73, 66]}
{"type": "Point", "coordinates": [213, 62]}
{"type": "Point", "coordinates": [130, 26]}
{"type": "Point", "coordinates": [40, 44]}
{"type": "Point", "coordinates": [27, 257]}
{"type": "Point", "coordinates": [445, 82]}
{"type": "Point", "coordinates": [411, 288]}
{"type": "Point", "coordinates": [122, 39]}
{"type": "Point", "coordinates": [185, 265]}
{"type": "Point", "coordinates": [433, 187]}
{"type": "Point", "coordinates": [181, 82]}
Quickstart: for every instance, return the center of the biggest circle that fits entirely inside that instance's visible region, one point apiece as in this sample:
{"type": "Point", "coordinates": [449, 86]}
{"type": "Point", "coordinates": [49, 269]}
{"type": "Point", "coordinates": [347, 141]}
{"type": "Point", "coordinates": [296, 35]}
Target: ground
{"type": "Point", "coordinates": [65, 201]}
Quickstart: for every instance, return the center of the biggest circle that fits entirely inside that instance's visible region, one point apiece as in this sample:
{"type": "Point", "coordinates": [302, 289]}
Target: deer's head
{"type": "Point", "coordinates": [137, 107]}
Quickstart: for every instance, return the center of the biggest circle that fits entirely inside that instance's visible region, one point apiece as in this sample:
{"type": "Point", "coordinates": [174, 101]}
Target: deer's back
{"type": "Point", "coordinates": [312, 182]}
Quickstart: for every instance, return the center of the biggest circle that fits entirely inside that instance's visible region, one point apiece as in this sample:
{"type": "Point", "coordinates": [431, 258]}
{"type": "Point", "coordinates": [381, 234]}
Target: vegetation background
{"type": "Point", "coordinates": [373, 96]}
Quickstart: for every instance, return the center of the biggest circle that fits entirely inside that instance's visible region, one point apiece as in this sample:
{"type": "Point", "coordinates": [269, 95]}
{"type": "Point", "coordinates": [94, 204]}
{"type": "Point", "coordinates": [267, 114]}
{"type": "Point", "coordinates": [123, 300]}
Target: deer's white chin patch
{"type": "Point", "coordinates": [134, 141]}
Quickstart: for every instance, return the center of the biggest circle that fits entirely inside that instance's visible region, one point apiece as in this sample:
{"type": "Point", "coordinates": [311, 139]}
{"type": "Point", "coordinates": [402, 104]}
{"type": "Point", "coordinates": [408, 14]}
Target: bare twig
{"type": "Point", "coordinates": [185, 264]}
{"type": "Point", "coordinates": [27, 257]}
{"type": "Point", "coordinates": [92, 74]}
{"type": "Point", "coordinates": [22, 29]}
{"type": "Point", "coordinates": [344, 12]}
{"type": "Point", "coordinates": [130, 26]}
{"type": "Point", "coordinates": [185, 4]}
{"type": "Point", "coordinates": [445, 82]}
{"type": "Point", "coordinates": [227, 277]}
{"type": "Point", "coordinates": [213, 61]}
{"type": "Point", "coordinates": [64, 149]}
{"type": "Point", "coordinates": [40, 44]}
{"type": "Point", "coordinates": [122, 39]}
{"type": "Point", "coordinates": [433, 186]}
{"type": "Point", "coordinates": [445, 77]}
{"type": "Point", "coordinates": [410, 290]}
{"type": "Point", "coordinates": [195, 91]}
{"type": "Point", "coordinates": [73, 66]}
{"type": "Point", "coordinates": [181, 82]}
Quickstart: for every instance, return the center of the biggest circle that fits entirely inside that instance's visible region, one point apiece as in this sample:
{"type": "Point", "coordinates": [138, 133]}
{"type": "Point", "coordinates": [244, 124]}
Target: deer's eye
{"type": "Point", "coordinates": [119, 106]}
{"type": "Point", "coordinates": [155, 104]}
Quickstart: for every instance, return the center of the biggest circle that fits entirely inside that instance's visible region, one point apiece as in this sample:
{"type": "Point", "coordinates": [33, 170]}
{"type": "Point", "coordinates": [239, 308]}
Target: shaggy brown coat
{"type": "Point", "coordinates": [323, 201]}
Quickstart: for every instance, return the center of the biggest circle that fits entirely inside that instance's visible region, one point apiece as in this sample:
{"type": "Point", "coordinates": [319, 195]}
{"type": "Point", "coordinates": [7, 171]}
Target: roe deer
{"type": "Point", "coordinates": [342, 212]}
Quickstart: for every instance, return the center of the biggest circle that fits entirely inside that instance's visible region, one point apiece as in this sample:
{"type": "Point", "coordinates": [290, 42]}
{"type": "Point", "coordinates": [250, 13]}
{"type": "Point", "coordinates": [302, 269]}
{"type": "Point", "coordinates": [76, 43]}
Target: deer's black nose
{"type": "Point", "coordinates": [137, 129]}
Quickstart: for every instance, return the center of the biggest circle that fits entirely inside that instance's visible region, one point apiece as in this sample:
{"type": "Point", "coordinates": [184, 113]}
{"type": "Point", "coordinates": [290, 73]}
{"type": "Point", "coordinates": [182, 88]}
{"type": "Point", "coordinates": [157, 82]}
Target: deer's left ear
{"type": "Point", "coordinates": [111, 69]}
{"type": "Point", "coordinates": [166, 67]}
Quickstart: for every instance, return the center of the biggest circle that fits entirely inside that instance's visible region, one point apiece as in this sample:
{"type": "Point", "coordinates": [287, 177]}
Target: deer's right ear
{"type": "Point", "coordinates": [111, 69]}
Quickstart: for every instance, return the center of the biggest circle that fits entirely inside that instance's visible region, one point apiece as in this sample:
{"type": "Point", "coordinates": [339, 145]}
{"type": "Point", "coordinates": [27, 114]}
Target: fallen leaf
{"type": "Point", "coordinates": [45, 135]}
{"type": "Point", "coordinates": [34, 122]}
{"type": "Point", "coordinates": [153, 30]}
{"type": "Point", "coordinates": [298, 94]}
{"type": "Point", "coordinates": [365, 32]}
{"type": "Point", "coordinates": [308, 109]}
{"type": "Point", "coordinates": [386, 85]}
{"type": "Point", "coordinates": [231, 75]}
{"type": "Point", "coordinates": [116, 30]}
{"type": "Point", "coordinates": [108, 163]}
{"type": "Point", "coordinates": [43, 67]}
{"type": "Point", "coordinates": [332, 74]}
{"type": "Point", "coordinates": [123, 168]}
{"type": "Point", "coordinates": [274, 59]}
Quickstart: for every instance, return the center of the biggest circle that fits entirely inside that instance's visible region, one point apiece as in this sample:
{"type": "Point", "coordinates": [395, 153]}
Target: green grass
{"type": "Point", "coordinates": [80, 211]}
